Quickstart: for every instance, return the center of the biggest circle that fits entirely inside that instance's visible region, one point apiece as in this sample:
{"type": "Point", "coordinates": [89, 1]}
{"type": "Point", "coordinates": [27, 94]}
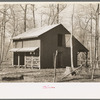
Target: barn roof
{"type": "Point", "coordinates": [35, 32]}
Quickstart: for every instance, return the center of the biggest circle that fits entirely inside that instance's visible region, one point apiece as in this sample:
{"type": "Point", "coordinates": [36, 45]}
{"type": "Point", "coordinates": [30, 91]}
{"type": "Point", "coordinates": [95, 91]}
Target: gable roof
{"type": "Point", "coordinates": [35, 32]}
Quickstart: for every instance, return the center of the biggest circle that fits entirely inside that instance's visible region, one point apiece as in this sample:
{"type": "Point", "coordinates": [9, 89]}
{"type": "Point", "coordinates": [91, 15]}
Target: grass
{"type": "Point", "coordinates": [45, 75]}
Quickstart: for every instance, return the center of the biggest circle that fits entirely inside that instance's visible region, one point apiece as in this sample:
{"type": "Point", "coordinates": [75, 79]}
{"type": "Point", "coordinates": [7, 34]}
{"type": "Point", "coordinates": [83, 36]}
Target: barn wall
{"type": "Point", "coordinates": [67, 57]}
{"type": "Point", "coordinates": [31, 43]}
{"type": "Point", "coordinates": [17, 44]}
{"type": "Point", "coordinates": [27, 43]}
{"type": "Point", "coordinates": [49, 46]}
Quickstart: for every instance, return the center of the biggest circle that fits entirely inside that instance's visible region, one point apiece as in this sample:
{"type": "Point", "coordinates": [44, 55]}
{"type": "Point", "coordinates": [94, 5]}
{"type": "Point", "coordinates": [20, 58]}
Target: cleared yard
{"type": "Point", "coordinates": [46, 75]}
{"type": "Point", "coordinates": [31, 75]}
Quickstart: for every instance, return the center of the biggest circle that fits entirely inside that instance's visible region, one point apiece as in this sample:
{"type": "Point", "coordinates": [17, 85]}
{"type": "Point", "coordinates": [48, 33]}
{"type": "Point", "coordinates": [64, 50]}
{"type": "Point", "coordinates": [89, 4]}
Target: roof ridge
{"type": "Point", "coordinates": [35, 32]}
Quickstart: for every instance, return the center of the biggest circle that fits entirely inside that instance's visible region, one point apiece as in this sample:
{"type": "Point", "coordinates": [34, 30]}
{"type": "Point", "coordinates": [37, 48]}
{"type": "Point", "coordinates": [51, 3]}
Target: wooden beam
{"type": "Point", "coordinates": [12, 58]}
{"type": "Point", "coordinates": [31, 61]}
{"type": "Point", "coordinates": [25, 59]}
{"type": "Point", "coordinates": [86, 59]}
{"type": "Point", "coordinates": [39, 59]}
{"type": "Point", "coordinates": [55, 60]}
{"type": "Point", "coordinates": [18, 60]}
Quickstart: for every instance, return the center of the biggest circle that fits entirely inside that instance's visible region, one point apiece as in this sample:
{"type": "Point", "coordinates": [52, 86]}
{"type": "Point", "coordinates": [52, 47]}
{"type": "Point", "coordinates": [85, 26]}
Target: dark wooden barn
{"type": "Point", "coordinates": [35, 48]}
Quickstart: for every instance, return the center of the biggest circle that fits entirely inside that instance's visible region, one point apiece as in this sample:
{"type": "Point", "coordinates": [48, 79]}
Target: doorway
{"type": "Point", "coordinates": [21, 58]}
{"type": "Point", "coordinates": [15, 62]}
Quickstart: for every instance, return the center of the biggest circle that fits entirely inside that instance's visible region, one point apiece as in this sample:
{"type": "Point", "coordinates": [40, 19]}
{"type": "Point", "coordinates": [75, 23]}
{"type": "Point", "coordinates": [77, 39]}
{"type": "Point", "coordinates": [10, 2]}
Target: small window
{"type": "Point", "coordinates": [60, 39]}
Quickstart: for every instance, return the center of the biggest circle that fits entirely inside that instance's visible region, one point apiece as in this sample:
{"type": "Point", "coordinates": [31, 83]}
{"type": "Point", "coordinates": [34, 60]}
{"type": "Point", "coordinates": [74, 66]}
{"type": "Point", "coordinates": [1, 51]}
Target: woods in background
{"type": "Point", "coordinates": [18, 18]}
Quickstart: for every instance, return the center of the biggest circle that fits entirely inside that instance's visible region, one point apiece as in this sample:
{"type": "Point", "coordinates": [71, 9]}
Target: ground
{"type": "Point", "coordinates": [46, 75]}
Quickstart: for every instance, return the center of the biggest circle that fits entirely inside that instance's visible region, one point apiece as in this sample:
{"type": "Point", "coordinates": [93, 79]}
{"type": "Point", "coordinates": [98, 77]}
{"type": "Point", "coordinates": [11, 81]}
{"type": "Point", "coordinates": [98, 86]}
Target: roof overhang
{"type": "Point", "coordinates": [30, 49]}
{"type": "Point", "coordinates": [35, 32]}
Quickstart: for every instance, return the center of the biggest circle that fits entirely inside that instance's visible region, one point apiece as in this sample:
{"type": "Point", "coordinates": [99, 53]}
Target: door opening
{"type": "Point", "coordinates": [21, 58]}
{"type": "Point", "coordinates": [15, 62]}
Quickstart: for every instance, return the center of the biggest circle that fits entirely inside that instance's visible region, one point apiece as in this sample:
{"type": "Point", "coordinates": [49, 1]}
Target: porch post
{"type": "Point", "coordinates": [39, 58]}
{"type": "Point", "coordinates": [31, 61]}
{"type": "Point", "coordinates": [18, 60]}
{"type": "Point", "coordinates": [25, 59]}
{"type": "Point", "coordinates": [12, 58]}
{"type": "Point", "coordinates": [77, 58]}
{"type": "Point", "coordinates": [39, 62]}
{"type": "Point", "coordinates": [86, 59]}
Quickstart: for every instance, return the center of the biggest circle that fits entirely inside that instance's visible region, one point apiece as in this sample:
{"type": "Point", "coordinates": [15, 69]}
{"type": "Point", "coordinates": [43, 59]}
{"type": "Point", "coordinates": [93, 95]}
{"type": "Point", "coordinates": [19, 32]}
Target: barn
{"type": "Point", "coordinates": [36, 47]}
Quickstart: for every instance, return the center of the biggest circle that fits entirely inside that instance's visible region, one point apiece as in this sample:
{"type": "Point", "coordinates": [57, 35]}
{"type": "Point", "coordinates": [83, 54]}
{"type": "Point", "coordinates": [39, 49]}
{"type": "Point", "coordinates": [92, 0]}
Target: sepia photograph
{"type": "Point", "coordinates": [49, 42]}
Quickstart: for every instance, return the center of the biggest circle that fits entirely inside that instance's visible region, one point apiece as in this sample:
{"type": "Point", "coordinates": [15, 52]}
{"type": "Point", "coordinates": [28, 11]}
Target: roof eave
{"type": "Point", "coordinates": [24, 38]}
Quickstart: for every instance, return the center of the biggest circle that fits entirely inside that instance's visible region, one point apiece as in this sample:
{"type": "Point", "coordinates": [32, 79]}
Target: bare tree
{"type": "Point", "coordinates": [72, 64]}
{"type": "Point", "coordinates": [5, 19]}
{"type": "Point", "coordinates": [14, 27]}
{"type": "Point", "coordinates": [96, 42]}
{"type": "Point", "coordinates": [60, 8]}
{"type": "Point", "coordinates": [33, 11]}
{"type": "Point", "coordinates": [52, 12]}
{"type": "Point", "coordinates": [57, 13]}
{"type": "Point", "coordinates": [25, 12]}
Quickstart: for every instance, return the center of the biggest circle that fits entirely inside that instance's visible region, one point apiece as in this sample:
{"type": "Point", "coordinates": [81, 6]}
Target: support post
{"type": "Point", "coordinates": [86, 59]}
{"type": "Point", "coordinates": [39, 59]}
{"type": "Point", "coordinates": [39, 62]}
{"type": "Point", "coordinates": [31, 61]}
{"type": "Point", "coordinates": [55, 60]}
{"type": "Point", "coordinates": [12, 59]}
{"type": "Point", "coordinates": [25, 59]}
{"type": "Point", "coordinates": [18, 60]}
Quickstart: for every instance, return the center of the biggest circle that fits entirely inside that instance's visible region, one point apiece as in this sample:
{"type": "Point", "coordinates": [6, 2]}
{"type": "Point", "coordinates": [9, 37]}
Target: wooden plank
{"type": "Point", "coordinates": [31, 61]}
{"type": "Point", "coordinates": [12, 58]}
{"type": "Point", "coordinates": [55, 60]}
{"type": "Point", "coordinates": [25, 59]}
{"type": "Point", "coordinates": [18, 60]}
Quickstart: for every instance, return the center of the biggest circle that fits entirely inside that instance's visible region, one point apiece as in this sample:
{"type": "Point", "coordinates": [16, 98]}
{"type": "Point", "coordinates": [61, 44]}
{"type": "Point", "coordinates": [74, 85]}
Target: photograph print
{"type": "Point", "coordinates": [49, 42]}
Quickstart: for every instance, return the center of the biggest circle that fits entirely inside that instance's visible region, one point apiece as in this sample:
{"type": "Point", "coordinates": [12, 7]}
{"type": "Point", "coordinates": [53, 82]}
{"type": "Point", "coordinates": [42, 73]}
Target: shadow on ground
{"type": "Point", "coordinates": [84, 78]}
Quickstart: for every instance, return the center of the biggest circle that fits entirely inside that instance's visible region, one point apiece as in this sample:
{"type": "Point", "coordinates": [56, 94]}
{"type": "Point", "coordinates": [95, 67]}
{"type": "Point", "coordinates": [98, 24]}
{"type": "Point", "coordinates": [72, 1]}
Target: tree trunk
{"type": "Point", "coordinates": [96, 42]}
{"type": "Point", "coordinates": [57, 13]}
{"type": "Point", "coordinates": [72, 64]}
{"type": "Point", "coordinates": [55, 60]}
{"type": "Point", "coordinates": [3, 33]}
{"type": "Point", "coordinates": [25, 11]}
{"type": "Point", "coordinates": [34, 25]}
{"type": "Point", "coordinates": [91, 60]}
{"type": "Point", "coordinates": [14, 28]}
{"type": "Point", "coordinates": [41, 20]}
{"type": "Point", "coordinates": [97, 37]}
